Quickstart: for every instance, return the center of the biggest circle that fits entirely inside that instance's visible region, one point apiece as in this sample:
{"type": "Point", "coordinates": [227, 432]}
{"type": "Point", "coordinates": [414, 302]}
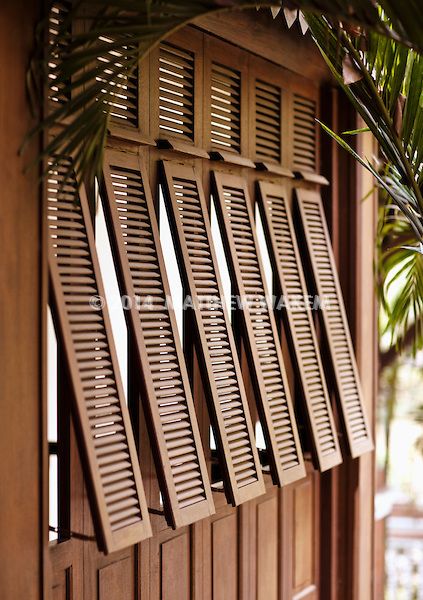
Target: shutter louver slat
{"type": "Point", "coordinates": [167, 395]}
{"type": "Point", "coordinates": [304, 141]}
{"type": "Point", "coordinates": [279, 229]}
{"type": "Point", "coordinates": [262, 340]}
{"type": "Point", "coordinates": [222, 377]}
{"type": "Point", "coordinates": [123, 87]}
{"type": "Point", "coordinates": [225, 106]}
{"type": "Point", "coordinates": [268, 122]}
{"type": "Point", "coordinates": [106, 438]}
{"type": "Point", "coordinates": [335, 321]}
{"type": "Point", "coordinates": [57, 23]}
{"type": "Point", "coordinates": [176, 91]}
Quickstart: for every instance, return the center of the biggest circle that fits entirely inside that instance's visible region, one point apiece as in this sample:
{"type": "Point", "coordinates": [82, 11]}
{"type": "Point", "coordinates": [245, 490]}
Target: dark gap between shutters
{"type": "Point", "coordinates": [106, 439]}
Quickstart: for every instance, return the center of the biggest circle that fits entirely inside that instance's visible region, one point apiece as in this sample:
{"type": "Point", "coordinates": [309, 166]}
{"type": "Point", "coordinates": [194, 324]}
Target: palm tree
{"type": "Point", "coordinates": [374, 52]}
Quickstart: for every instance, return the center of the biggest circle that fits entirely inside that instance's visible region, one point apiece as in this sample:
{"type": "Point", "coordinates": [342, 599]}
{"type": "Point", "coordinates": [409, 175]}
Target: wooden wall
{"type": "Point", "coordinates": [20, 317]}
{"type": "Point", "coordinates": [309, 540]}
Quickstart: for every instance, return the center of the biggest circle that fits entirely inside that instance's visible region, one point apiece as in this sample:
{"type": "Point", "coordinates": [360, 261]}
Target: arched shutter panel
{"type": "Point", "coordinates": [262, 339]}
{"type": "Point", "coordinates": [335, 321]}
{"type": "Point", "coordinates": [168, 402]}
{"type": "Point", "coordinates": [216, 345]}
{"type": "Point", "coordinates": [106, 439]}
{"type": "Point", "coordinates": [283, 248]}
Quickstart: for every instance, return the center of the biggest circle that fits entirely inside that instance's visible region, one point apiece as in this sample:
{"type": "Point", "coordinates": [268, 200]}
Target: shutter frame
{"type": "Point", "coordinates": [312, 198]}
{"type": "Point", "coordinates": [281, 475]}
{"type": "Point", "coordinates": [235, 494]}
{"type": "Point", "coordinates": [108, 540]}
{"type": "Point", "coordinates": [302, 353]}
{"type": "Point", "coordinates": [176, 515]}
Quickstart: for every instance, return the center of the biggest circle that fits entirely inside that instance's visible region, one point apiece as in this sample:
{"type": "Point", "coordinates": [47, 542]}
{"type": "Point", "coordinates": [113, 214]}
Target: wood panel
{"type": "Point", "coordinates": [267, 546]}
{"type": "Point", "coordinates": [24, 301]}
{"type": "Point", "coordinates": [225, 536]}
{"type": "Point", "coordinates": [115, 581]}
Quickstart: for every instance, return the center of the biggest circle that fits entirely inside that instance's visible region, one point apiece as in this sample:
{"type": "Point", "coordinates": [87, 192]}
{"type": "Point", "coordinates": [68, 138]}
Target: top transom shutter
{"type": "Point", "coordinates": [284, 252]}
{"type": "Point", "coordinates": [124, 95]}
{"type": "Point", "coordinates": [262, 339]}
{"type": "Point", "coordinates": [216, 345]}
{"type": "Point", "coordinates": [57, 22]}
{"type": "Point", "coordinates": [176, 91]}
{"type": "Point", "coordinates": [304, 141]}
{"type": "Point", "coordinates": [268, 107]}
{"type": "Point", "coordinates": [225, 107]}
{"type": "Point", "coordinates": [335, 321]}
{"type": "Point", "coordinates": [106, 438]}
{"type": "Point", "coordinates": [175, 436]}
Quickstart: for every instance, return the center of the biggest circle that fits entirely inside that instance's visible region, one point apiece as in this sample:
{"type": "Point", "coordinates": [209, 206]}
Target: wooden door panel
{"type": "Point", "coordinates": [224, 532]}
{"type": "Point", "coordinates": [305, 538]}
{"type": "Point", "coordinates": [267, 549]}
{"type": "Point", "coordinates": [175, 568]}
{"type": "Point", "coordinates": [116, 581]}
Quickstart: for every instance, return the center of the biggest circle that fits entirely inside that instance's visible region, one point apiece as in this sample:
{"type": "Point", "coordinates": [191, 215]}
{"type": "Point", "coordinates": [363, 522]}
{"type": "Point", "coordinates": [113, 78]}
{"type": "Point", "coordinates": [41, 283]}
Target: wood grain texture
{"type": "Point", "coordinates": [335, 322]}
{"type": "Point", "coordinates": [104, 428]}
{"type": "Point", "coordinates": [260, 333]}
{"type": "Point", "coordinates": [215, 342]}
{"type": "Point", "coordinates": [285, 256]}
{"type": "Point", "coordinates": [23, 310]}
{"type": "Point", "coordinates": [173, 427]}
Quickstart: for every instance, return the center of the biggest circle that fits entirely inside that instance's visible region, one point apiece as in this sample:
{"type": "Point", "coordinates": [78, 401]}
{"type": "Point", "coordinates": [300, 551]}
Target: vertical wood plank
{"type": "Point", "coordinates": [22, 295]}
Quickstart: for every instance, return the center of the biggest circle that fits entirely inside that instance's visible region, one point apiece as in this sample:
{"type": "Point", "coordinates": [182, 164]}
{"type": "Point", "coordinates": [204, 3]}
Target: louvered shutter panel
{"type": "Point", "coordinates": [124, 86]}
{"type": "Point", "coordinates": [106, 438]}
{"type": "Point", "coordinates": [283, 248]}
{"type": "Point", "coordinates": [175, 436]}
{"type": "Point", "coordinates": [304, 139]}
{"type": "Point", "coordinates": [335, 321]}
{"type": "Point", "coordinates": [216, 345]}
{"type": "Point", "coordinates": [225, 107]}
{"type": "Point", "coordinates": [58, 24]}
{"type": "Point", "coordinates": [176, 91]}
{"type": "Point", "coordinates": [268, 106]}
{"type": "Point", "coordinates": [262, 339]}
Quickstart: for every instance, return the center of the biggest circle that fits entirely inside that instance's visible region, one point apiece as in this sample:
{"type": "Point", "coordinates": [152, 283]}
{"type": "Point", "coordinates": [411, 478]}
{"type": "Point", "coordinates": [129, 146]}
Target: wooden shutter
{"type": "Point", "coordinates": [216, 345]}
{"type": "Point", "coordinates": [57, 22]}
{"type": "Point", "coordinates": [168, 402]}
{"type": "Point", "coordinates": [262, 339]}
{"type": "Point", "coordinates": [176, 91]}
{"type": "Point", "coordinates": [124, 101]}
{"type": "Point", "coordinates": [284, 252]}
{"type": "Point", "coordinates": [335, 322]}
{"type": "Point", "coordinates": [268, 122]}
{"type": "Point", "coordinates": [304, 139]}
{"type": "Point", "coordinates": [105, 433]}
{"type": "Point", "coordinates": [225, 106]}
